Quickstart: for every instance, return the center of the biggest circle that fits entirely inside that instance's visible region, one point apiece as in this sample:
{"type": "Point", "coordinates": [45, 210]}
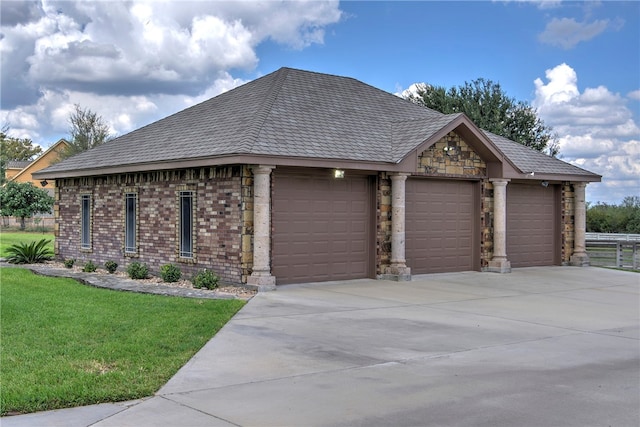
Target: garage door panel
{"type": "Point", "coordinates": [331, 231]}
{"type": "Point", "coordinates": [440, 226]}
{"type": "Point", "coordinates": [532, 225]}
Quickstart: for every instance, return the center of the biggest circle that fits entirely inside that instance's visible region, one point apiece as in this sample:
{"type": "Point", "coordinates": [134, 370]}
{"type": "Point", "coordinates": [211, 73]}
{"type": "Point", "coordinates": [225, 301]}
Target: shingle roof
{"type": "Point", "coordinates": [291, 114]}
{"type": "Point", "coordinates": [18, 164]}
{"type": "Point", "coordinates": [529, 160]}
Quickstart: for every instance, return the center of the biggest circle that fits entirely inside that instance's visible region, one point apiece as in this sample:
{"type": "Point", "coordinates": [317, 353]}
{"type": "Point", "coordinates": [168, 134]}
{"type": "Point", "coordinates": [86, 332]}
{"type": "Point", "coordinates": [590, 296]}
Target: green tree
{"type": "Point", "coordinates": [14, 149]}
{"type": "Point", "coordinates": [87, 130]}
{"type": "Point", "coordinates": [491, 109]}
{"type": "Point", "coordinates": [23, 200]}
{"type": "Point", "coordinates": [623, 218]}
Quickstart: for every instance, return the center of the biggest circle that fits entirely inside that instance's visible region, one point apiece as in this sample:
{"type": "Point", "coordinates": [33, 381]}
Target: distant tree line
{"type": "Point", "coordinates": [622, 218]}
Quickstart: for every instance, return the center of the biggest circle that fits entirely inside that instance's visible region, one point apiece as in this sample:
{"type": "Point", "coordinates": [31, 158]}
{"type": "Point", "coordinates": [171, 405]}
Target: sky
{"type": "Point", "coordinates": [135, 62]}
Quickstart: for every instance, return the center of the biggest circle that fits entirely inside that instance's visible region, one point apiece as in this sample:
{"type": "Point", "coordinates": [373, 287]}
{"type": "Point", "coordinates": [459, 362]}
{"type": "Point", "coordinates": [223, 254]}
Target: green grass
{"type": "Point", "coordinates": [8, 238]}
{"type": "Point", "coordinates": [65, 344]}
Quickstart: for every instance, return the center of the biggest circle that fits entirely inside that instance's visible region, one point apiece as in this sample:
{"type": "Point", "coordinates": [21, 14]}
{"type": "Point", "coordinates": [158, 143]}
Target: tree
{"type": "Point", "coordinates": [23, 200]}
{"type": "Point", "coordinates": [489, 107]}
{"type": "Point", "coordinates": [14, 149]}
{"type": "Point", "coordinates": [623, 218]}
{"type": "Point", "coordinates": [87, 130]}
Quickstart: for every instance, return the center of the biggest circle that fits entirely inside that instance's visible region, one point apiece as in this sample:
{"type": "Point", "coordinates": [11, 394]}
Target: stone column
{"type": "Point", "coordinates": [261, 276]}
{"type": "Point", "coordinates": [398, 269]}
{"type": "Point", "coordinates": [500, 263]}
{"type": "Point", "coordinates": [579, 257]}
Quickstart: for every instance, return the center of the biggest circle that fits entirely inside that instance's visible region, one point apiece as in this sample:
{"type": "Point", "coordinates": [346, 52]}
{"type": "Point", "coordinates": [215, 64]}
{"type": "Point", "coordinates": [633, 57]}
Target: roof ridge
{"type": "Point", "coordinates": [254, 129]}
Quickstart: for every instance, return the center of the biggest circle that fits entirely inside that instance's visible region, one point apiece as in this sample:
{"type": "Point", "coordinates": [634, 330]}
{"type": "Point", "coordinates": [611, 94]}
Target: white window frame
{"type": "Point", "coordinates": [131, 223]}
{"type": "Point", "coordinates": [186, 225]}
{"type": "Point", "coordinates": [86, 203]}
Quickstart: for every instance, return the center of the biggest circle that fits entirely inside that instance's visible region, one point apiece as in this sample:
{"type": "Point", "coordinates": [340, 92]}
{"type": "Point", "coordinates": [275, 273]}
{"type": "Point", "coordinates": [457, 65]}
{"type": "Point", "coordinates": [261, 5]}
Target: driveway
{"type": "Point", "coordinates": [556, 346]}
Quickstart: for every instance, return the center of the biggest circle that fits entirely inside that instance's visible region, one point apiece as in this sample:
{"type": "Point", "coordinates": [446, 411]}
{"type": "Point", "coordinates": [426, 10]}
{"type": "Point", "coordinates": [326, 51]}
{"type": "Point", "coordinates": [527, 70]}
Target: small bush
{"type": "Point", "coordinates": [69, 262]}
{"type": "Point", "coordinates": [111, 266]}
{"type": "Point", "coordinates": [137, 270]}
{"type": "Point", "coordinates": [170, 273]}
{"type": "Point", "coordinates": [89, 267]}
{"type": "Point", "coordinates": [29, 253]}
{"type": "Point", "coordinates": [205, 279]}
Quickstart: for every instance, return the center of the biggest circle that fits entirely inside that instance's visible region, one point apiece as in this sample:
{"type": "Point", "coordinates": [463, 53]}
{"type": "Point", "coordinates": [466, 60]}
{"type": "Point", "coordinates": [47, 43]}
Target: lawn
{"type": "Point", "coordinates": [65, 344]}
{"type": "Point", "coordinates": [8, 238]}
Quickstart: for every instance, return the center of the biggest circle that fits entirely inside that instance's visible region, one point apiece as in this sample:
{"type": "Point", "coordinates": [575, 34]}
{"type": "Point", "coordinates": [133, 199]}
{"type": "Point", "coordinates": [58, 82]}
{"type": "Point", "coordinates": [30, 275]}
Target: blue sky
{"type": "Point", "coordinates": [133, 63]}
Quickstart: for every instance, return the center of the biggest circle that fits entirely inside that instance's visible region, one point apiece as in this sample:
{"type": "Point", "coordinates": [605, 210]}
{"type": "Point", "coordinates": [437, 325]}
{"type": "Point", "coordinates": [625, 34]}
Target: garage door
{"type": "Point", "coordinates": [321, 227]}
{"type": "Point", "coordinates": [441, 224]}
{"type": "Point", "coordinates": [532, 225]}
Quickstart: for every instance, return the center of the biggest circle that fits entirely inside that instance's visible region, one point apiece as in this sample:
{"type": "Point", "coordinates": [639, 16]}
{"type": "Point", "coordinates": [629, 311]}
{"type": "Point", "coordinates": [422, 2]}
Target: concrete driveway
{"type": "Point", "coordinates": [555, 346]}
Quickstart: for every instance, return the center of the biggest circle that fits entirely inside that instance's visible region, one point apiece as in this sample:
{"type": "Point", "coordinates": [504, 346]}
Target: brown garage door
{"type": "Point", "coordinates": [321, 227]}
{"type": "Point", "coordinates": [441, 224]}
{"type": "Point", "coordinates": [532, 225]}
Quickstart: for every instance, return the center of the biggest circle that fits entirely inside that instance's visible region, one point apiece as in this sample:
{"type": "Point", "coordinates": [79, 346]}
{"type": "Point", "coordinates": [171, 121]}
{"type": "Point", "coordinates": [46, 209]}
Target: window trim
{"type": "Point", "coordinates": [86, 222]}
{"type": "Point", "coordinates": [185, 192]}
{"type": "Point", "coordinates": [128, 250]}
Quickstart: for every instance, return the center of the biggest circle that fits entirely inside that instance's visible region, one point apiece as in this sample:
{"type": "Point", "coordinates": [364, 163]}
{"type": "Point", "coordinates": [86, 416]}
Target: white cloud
{"type": "Point", "coordinates": [542, 4]}
{"type": "Point", "coordinates": [567, 33]}
{"type": "Point", "coordinates": [634, 95]}
{"type": "Point", "coordinates": [596, 131]}
{"type": "Point", "coordinates": [50, 115]}
{"type": "Point", "coordinates": [134, 62]}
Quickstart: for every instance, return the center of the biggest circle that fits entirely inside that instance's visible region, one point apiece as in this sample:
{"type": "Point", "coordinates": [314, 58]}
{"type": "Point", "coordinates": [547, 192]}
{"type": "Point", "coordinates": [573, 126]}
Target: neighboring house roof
{"type": "Point", "coordinates": [289, 114]}
{"type": "Point", "coordinates": [42, 161]}
{"type": "Point", "coordinates": [18, 164]}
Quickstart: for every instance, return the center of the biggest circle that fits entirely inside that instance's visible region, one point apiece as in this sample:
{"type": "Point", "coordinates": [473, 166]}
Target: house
{"type": "Point", "coordinates": [22, 171]}
{"type": "Point", "coordinates": [302, 177]}
{"type": "Point", "coordinates": [14, 167]}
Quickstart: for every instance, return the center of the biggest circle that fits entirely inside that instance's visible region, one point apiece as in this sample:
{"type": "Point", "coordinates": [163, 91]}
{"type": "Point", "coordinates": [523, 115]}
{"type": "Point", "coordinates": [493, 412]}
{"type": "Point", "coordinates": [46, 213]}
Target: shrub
{"type": "Point", "coordinates": [138, 271]}
{"type": "Point", "coordinates": [170, 273]}
{"type": "Point", "coordinates": [205, 279]}
{"type": "Point", "coordinates": [89, 267]}
{"type": "Point", "coordinates": [68, 263]}
{"type": "Point", "coordinates": [111, 266]}
{"type": "Point", "coordinates": [29, 253]}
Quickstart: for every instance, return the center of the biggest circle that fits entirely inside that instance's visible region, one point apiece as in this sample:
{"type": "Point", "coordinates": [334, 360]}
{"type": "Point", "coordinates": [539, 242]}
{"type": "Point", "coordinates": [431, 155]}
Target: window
{"type": "Point", "coordinates": [85, 219]}
{"type": "Point", "coordinates": [130, 223]}
{"type": "Point", "coordinates": [185, 225]}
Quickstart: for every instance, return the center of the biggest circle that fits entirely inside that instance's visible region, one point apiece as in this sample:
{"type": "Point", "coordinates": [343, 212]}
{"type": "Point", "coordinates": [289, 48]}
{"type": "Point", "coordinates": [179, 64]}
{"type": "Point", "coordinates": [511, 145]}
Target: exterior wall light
{"type": "Point", "coordinates": [338, 173]}
{"type": "Point", "coordinates": [545, 184]}
{"type": "Point", "coordinates": [44, 182]}
{"type": "Point", "coordinates": [450, 150]}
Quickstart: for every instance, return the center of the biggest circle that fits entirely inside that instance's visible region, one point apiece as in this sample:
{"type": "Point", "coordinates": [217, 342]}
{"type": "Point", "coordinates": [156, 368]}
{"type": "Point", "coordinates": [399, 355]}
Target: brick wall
{"type": "Point", "coordinates": [218, 226]}
{"type": "Point", "coordinates": [486, 224]}
{"type": "Point", "coordinates": [383, 222]}
{"type": "Point", "coordinates": [246, 192]}
{"type": "Point", "coordinates": [568, 221]}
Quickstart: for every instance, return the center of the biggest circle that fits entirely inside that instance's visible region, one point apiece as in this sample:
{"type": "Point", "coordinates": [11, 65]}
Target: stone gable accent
{"type": "Point", "coordinates": [451, 156]}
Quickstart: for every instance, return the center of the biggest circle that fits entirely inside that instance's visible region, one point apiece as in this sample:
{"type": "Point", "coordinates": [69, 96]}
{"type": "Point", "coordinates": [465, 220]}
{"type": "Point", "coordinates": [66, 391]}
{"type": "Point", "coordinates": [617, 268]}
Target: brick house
{"type": "Point", "coordinates": [300, 177]}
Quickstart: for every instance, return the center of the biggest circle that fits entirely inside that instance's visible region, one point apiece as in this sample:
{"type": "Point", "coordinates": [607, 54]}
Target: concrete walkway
{"type": "Point", "coordinates": [555, 346]}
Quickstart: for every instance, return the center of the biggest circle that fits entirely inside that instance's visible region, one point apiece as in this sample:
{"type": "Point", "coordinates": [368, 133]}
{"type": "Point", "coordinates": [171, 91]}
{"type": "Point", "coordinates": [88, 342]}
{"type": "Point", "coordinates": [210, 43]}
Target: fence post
{"type": "Point", "coordinates": [619, 254]}
{"type": "Point", "coordinates": [636, 256]}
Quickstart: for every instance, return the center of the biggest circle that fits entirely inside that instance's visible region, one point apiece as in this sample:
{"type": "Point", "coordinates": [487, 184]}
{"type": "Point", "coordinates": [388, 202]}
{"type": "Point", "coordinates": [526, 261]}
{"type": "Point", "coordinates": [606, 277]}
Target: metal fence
{"type": "Point", "coordinates": [614, 250]}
